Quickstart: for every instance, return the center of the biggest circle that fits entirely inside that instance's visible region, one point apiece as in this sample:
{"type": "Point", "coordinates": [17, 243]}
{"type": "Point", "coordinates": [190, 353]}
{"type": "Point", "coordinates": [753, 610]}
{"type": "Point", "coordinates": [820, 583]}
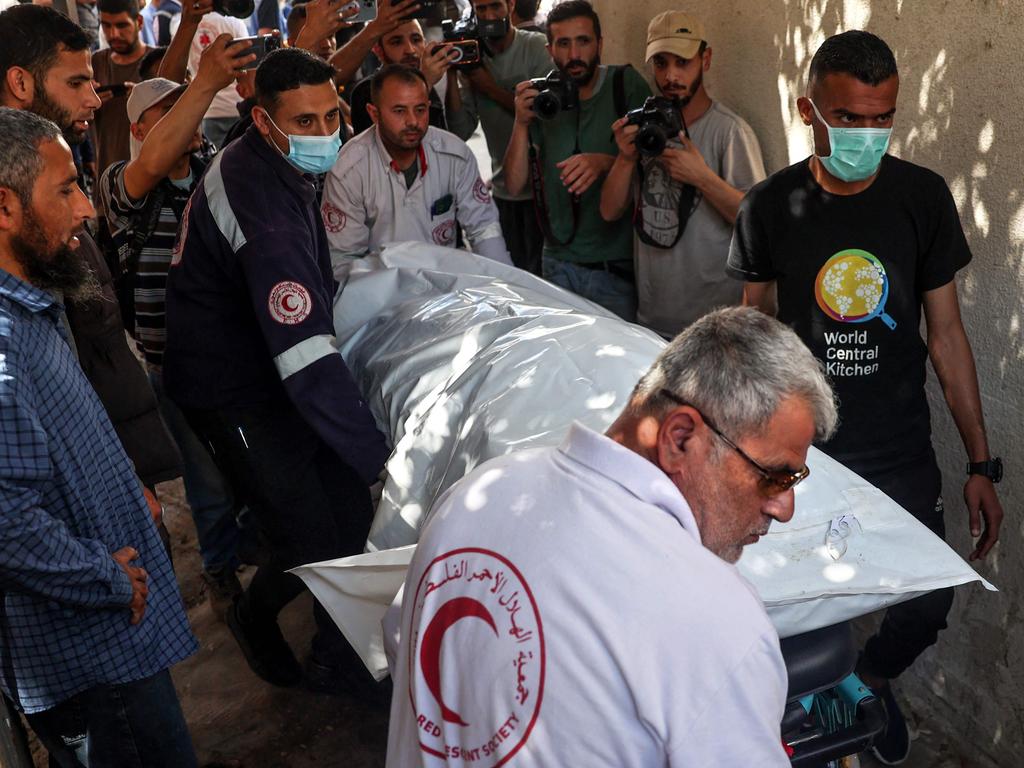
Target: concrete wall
{"type": "Point", "coordinates": [959, 113]}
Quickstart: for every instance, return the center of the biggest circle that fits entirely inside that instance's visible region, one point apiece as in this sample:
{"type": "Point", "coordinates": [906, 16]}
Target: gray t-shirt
{"type": "Point", "coordinates": [525, 59]}
{"type": "Point", "coordinates": [678, 285]}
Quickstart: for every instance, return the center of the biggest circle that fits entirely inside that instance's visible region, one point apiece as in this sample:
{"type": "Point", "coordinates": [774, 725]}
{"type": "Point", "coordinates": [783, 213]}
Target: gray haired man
{"type": "Point", "coordinates": [600, 574]}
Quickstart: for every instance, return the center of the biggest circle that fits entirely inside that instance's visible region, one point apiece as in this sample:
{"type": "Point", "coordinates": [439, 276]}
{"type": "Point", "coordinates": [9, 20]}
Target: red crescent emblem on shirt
{"type": "Point", "coordinates": [334, 218]}
{"type": "Point", "coordinates": [444, 233]}
{"type": "Point", "coordinates": [480, 191]}
{"type": "Point", "coordinates": [455, 664]}
{"type": "Point", "coordinates": [289, 303]}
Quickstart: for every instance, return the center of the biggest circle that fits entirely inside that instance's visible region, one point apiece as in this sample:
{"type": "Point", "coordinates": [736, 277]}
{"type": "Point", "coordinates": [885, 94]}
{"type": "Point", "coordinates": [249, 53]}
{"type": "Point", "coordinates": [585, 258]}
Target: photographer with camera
{"type": "Point", "coordinates": [509, 57]}
{"type": "Point", "coordinates": [685, 161]}
{"type": "Point", "coordinates": [406, 180]}
{"type": "Point", "coordinates": [142, 202]}
{"type": "Point", "coordinates": [567, 151]}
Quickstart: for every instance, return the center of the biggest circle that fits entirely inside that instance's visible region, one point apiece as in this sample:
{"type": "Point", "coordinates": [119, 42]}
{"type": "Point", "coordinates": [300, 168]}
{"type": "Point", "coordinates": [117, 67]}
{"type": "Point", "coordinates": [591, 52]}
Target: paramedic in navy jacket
{"type": "Point", "coordinates": [251, 359]}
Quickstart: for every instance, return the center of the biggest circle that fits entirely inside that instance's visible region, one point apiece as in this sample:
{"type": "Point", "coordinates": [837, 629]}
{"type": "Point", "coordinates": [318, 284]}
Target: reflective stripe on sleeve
{"type": "Point", "coordinates": [491, 230]}
{"type": "Point", "coordinates": [303, 354]}
{"type": "Point", "coordinates": [220, 206]}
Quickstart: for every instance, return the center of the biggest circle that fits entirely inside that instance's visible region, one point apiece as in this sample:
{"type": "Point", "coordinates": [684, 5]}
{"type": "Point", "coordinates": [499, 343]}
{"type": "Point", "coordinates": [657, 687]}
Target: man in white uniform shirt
{"type": "Point", "coordinates": [577, 606]}
{"type": "Point", "coordinates": [406, 180]}
{"type": "Point", "coordinates": [223, 112]}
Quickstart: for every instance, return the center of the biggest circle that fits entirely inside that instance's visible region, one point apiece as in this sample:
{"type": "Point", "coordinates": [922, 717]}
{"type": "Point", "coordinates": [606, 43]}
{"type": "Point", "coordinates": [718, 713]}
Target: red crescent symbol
{"type": "Point", "coordinates": [285, 303]}
{"type": "Point", "coordinates": [430, 650]}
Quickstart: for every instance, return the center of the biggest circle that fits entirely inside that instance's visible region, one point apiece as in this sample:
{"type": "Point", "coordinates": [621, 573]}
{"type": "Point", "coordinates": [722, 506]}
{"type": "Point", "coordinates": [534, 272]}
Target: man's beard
{"type": "Point", "coordinates": [588, 74]}
{"type": "Point", "coordinates": [43, 106]}
{"type": "Point", "coordinates": [52, 268]}
{"type": "Point", "coordinates": [690, 92]}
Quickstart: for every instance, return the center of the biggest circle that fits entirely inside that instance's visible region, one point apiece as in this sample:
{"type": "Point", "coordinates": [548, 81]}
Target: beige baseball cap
{"type": "Point", "coordinates": [674, 32]}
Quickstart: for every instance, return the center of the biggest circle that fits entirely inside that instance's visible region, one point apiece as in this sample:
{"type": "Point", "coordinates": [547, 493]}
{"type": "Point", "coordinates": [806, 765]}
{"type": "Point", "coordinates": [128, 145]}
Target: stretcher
{"type": "Point", "coordinates": [463, 359]}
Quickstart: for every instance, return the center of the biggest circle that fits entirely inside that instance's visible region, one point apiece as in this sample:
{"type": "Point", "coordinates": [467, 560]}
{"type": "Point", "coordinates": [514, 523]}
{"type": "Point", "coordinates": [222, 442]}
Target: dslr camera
{"type": "Point", "coordinates": [558, 93]}
{"type": "Point", "coordinates": [659, 120]}
{"type": "Point", "coordinates": [464, 40]}
{"type": "Point", "coordinates": [240, 9]}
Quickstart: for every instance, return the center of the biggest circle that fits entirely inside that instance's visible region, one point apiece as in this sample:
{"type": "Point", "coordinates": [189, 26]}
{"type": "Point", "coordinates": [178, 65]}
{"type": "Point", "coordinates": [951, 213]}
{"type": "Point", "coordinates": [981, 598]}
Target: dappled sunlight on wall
{"type": "Point", "coordinates": [961, 78]}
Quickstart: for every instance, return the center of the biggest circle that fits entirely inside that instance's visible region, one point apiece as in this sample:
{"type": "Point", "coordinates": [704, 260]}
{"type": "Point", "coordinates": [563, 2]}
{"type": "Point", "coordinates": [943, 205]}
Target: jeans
{"type": "Point", "coordinates": [130, 725]}
{"type": "Point", "coordinates": [207, 490]}
{"type": "Point", "coordinates": [308, 503]}
{"type": "Point", "coordinates": [909, 628]}
{"type": "Point", "coordinates": [614, 293]}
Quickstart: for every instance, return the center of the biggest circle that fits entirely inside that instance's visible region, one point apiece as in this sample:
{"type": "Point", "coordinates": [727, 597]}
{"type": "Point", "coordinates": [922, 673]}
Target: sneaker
{"type": "Point", "coordinates": [222, 587]}
{"type": "Point", "coordinates": [892, 746]}
{"type": "Point", "coordinates": [265, 649]}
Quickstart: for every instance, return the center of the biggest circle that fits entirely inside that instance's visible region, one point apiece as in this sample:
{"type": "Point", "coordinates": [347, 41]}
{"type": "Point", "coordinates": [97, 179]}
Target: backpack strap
{"type": "Point", "coordinates": [619, 89]}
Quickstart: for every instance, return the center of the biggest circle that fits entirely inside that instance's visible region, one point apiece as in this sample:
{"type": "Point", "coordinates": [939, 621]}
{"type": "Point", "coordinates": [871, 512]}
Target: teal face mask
{"type": "Point", "coordinates": [856, 152]}
{"type": "Point", "coordinates": [311, 154]}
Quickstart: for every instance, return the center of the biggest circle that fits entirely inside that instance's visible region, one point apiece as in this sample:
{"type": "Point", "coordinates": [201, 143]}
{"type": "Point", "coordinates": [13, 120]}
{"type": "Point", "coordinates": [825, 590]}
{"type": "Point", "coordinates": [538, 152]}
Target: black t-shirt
{"type": "Point", "coordinates": [851, 271]}
{"type": "Point", "coordinates": [359, 97]}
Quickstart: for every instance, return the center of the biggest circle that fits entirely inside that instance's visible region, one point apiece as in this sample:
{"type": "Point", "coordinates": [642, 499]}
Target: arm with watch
{"type": "Point", "coordinates": [951, 356]}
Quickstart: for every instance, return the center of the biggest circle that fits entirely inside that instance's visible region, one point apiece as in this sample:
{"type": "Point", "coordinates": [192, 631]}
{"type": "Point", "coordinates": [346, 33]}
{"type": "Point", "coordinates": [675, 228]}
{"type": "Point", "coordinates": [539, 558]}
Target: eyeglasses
{"type": "Point", "coordinates": [772, 482]}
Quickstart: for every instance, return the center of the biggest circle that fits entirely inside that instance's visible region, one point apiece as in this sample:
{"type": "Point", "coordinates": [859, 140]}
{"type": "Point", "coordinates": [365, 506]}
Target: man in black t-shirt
{"type": "Point", "coordinates": [856, 242]}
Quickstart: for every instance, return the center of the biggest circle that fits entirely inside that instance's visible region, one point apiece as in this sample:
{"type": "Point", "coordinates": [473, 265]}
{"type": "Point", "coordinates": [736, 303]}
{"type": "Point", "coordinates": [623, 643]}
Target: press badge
{"type": "Point", "coordinates": [441, 205]}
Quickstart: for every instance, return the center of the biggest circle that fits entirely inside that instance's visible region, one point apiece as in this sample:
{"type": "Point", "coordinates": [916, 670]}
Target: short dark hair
{"type": "Point", "coordinates": [131, 7]}
{"type": "Point", "coordinates": [298, 13]}
{"type": "Point", "coordinates": [526, 9]}
{"type": "Point", "coordinates": [861, 54]}
{"type": "Point", "coordinates": [149, 64]}
{"type": "Point", "coordinates": [31, 37]}
{"type": "Point", "coordinates": [407, 75]}
{"type": "Point", "coordinates": [285, 70]}
{"type": "Point", "coordinates": [573, 9]}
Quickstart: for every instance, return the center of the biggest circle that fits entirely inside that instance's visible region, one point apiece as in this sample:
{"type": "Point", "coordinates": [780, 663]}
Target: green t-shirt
{"type": "Point", "coordinates": [525, 59]}
{"type": "Point", "coordinates": [596, 239]}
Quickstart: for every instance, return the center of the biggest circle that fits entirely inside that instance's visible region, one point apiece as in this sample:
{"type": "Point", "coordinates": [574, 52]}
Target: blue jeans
{"type": "Point", "coordinates": [614, 293]}
{"type": "Point", "coordinates": [208, 493]}
{"type": "Point", "coordinates": [131, 725]}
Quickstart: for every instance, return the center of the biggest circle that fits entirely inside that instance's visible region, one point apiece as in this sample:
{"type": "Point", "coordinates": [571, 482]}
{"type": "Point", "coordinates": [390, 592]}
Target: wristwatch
{"type": "Point", "coordinates": [992, 469]}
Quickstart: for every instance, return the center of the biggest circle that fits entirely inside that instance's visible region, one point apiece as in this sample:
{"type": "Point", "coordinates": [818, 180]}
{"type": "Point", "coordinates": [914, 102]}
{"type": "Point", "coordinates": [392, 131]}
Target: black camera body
{"type": "Point", "coordinates": [240, 9]}
{"type": "Point", "coordinates": [659, 119]}
{"type": "Point", "coordinates": [558, 93]}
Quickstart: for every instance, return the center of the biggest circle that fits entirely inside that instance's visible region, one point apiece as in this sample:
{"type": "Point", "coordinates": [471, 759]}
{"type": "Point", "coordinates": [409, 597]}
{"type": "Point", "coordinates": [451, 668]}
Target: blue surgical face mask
{"type": "Point", "coordinates": [311, 154]}
{"type": "Point", "coordinates": [856, 152]}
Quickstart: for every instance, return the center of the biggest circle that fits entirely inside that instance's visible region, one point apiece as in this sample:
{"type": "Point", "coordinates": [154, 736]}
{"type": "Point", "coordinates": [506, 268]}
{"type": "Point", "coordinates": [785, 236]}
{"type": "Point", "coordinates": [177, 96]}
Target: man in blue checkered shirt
{"type": "Point", "coordinates": [90, 614]}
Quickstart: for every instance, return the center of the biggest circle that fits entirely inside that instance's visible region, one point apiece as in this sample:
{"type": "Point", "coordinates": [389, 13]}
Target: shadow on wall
{"type": "Point", "coordinates": [961, 76]}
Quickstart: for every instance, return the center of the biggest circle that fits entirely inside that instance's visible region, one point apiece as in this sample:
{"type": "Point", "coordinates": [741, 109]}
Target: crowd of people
{"type": "Point", "coordinates": [160, 175]}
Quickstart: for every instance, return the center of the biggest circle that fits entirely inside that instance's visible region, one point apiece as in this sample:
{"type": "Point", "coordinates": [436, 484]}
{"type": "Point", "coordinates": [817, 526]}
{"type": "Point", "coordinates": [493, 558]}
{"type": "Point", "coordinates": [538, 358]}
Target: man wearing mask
{"type": "Point", "coordinates": [406, 180]}
{"type": "Point", "coordinates": [688, 194]}
{"type": "Point", "coordinates": [45, 68]}
{"type": "Point", "coordinates": [856, 243]}
{"type": "Point", "coordinates": [567, 156]}
{"type": "Point", "coordinates": [250, 359]}
{"type": "Point", "coordinates": [116, 67]}
{"type": "Point", "coordinates": [510, 56]}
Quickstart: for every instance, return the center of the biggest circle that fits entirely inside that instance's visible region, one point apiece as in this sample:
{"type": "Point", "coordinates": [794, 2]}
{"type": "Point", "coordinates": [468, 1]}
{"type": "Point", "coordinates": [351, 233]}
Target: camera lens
{"type": "Point", "coordinates": [546, 105]}
{"type": "Point", "coordinates": [651, 140]}
{"type": "Point", "coordinates": [240, 9]}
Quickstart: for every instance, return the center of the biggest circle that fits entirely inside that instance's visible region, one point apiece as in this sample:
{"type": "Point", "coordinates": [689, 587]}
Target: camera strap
{"type": "Point", "coordinates": [540, 205]}
{"type": "Point", "coordinates": [656, 224]}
